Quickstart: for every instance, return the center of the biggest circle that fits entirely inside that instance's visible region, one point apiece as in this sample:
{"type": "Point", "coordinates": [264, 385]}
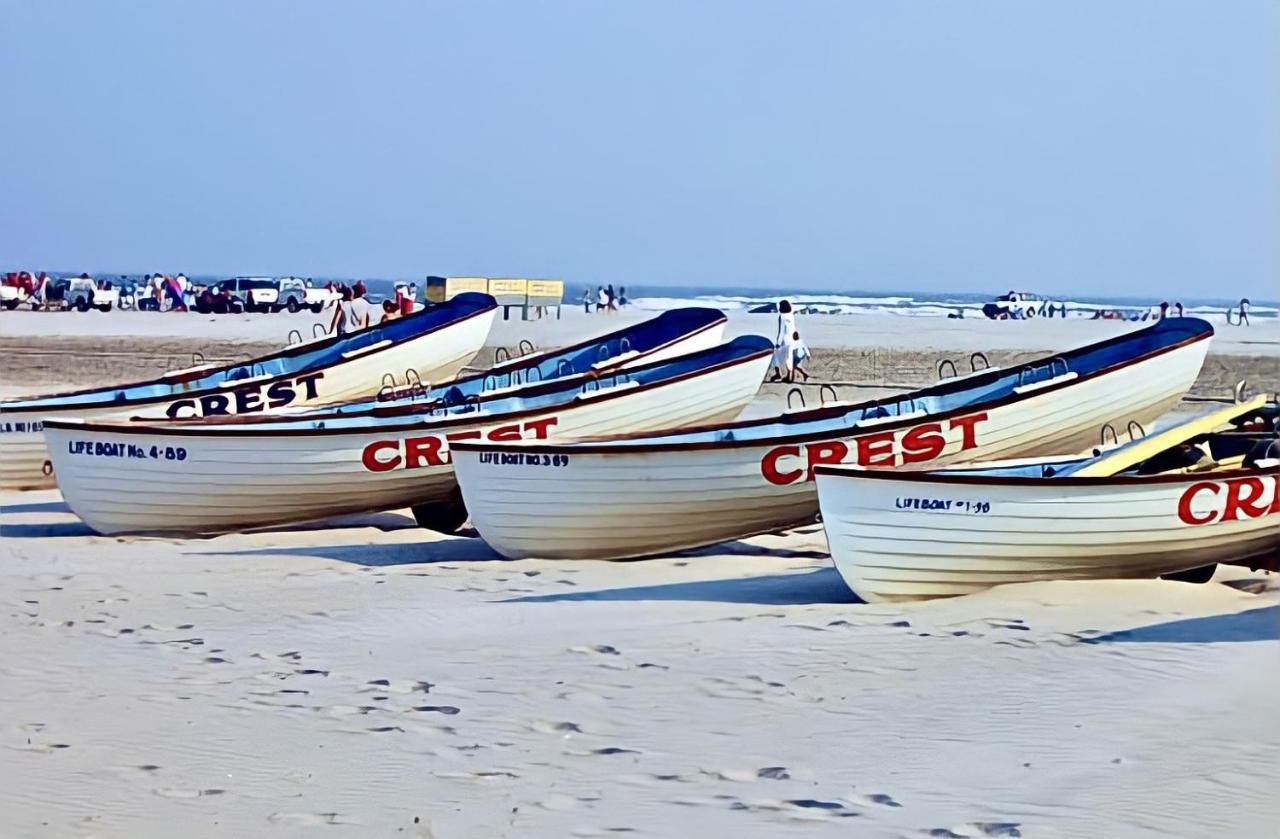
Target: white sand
{"type": "Point", "coordinates": [346, 679]}
{"type": "Point", "coordinates": [303, 683]}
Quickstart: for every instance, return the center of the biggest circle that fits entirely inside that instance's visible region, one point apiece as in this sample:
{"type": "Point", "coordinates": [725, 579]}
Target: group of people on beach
{"type": "Point", "coordinates": [605, 299]}
{"type": "Point", "coordinates": [354, 311]}
{"type": "Point", "coordinates": [1241, 313]}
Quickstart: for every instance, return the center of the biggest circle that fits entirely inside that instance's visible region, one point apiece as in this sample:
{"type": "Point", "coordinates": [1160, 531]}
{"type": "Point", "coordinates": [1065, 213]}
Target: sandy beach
{"type": "Point", "coordinates": [364, 677]}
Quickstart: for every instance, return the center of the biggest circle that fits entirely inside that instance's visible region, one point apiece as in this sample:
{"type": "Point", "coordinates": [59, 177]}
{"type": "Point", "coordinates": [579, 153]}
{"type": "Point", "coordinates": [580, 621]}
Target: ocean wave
{"type": "Point", "coordinates": [911, 306]}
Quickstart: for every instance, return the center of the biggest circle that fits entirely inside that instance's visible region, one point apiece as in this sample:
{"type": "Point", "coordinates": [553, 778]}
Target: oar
{"type": "Point", "coordinates": [1120, 459]}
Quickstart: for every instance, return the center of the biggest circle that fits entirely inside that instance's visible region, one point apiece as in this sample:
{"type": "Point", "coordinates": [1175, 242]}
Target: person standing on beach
{"type": "Point", "coordinates": [784, 343]}
{"type": "Point", "coordinates": [350, 314]}
{"type": "Point", "coordinates": [586, 300]}
{"type": "Point", "coordinates": [622, 296]}
{"type": "Point", "coordinates": [602, 300]}
{"type": "Point", "coordinates": [1244, 312]}
{"type": "Point", "coordinates": [610, 297]}
{"type": "Point", "coordinates": [361, 309]}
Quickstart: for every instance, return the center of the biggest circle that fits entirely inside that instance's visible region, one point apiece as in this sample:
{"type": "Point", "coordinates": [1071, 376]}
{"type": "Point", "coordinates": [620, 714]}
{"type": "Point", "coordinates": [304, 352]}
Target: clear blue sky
{"type": "Point", "coordinates": [1081, 146]}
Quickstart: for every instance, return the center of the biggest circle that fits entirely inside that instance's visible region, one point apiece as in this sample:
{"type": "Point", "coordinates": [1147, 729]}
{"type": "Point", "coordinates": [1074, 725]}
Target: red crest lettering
{"type": "Point", "coordinates": [880, 449]}
{"type": "Point", "coordinates": [1235, 499]}
{"type": "Point", "coordinates": [433, 449]}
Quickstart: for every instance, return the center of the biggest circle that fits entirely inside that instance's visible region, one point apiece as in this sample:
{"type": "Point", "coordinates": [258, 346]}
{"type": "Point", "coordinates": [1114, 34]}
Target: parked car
{"type": "Point", "coordinates": [1016, 305]}
{"type": "Point", "coordinates": [79, 293]}
{"type": "Point", "coordinates": [254, 294]}
{"type": "Point", "coordinates": [296, 294]}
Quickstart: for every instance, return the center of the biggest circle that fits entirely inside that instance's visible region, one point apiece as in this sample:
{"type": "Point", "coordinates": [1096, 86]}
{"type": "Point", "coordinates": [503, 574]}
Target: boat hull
{"type": "Point", "coordinates": [645, 500]}
{"type": "Point", "coordinates": [175, 480]}
{"type": "Point", "coordinates": [436, 356]}
{"type": "Point", "coordinates": [914, 537]}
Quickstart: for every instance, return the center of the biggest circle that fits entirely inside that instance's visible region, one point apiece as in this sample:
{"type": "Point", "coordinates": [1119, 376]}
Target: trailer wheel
{"type": "Point", "coordinates": [442, 516]}
{"type": "Point", "coordinates": [1203, 574]}
{"type": "Point", "coordinates": [105, 307]}
{"type": "Point", "coordinates": [82, 305]}
{"type": "Point", "coordinates": [317, 307]}
{"type": "Point", "coordinates": [293, 306]}
{"type": "Point", "coordinates": [11, 304]}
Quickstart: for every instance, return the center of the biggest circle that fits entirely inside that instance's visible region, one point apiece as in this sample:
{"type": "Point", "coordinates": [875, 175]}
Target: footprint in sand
{"type": "Point", "coordinates": [492, 775]}
{"type": "Point", "coordinates": [307, 819]}
{"type": "Point", "coordinates": [397, 686]}
{"type": "Point", "coordinates": [171, 792]}
{"type": "Point", "coordinates": [601, 649]}
{"type": "Point", "coordinates": [973, 829]}
{"type": "Point", "coordinates": [566, 728]}
{"type": "Point", "coordinates": [874, 798]}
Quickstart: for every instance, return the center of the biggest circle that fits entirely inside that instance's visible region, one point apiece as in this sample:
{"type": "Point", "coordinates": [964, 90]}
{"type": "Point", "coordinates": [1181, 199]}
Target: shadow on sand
{"type": "Point", "coordinates": [748, 549]}
{"type": "Point", "coordinates": [40, 507]}
{"type": "Point", "coordinates": [386, 522]}
{"type": "Point", "coordinates": [49, 530]}
{"type": "Point", "coordinates": [384, 555]}
{"type": "Point", "coordinates": [821, 586]}
{"type": "Point", "coordinates": [1254, 625]}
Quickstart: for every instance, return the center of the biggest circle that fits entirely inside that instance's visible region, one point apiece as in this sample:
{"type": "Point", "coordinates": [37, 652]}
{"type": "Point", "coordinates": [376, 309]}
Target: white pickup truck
{"type": "Point", "coordinates": [296, 294]}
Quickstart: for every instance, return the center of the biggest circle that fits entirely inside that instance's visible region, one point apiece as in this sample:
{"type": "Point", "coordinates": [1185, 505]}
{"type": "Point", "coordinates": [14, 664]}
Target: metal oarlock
{"type": "Point", "coordinates": [1102, 436]}
{"type": "Point", "coordinates": [986, 362]}
{"type": "Point", "coordinates": [795, 391]}
{"type": "Point", "coordinates": [943, 364]}
{"type": "Point", "coordinates": [822, 389]}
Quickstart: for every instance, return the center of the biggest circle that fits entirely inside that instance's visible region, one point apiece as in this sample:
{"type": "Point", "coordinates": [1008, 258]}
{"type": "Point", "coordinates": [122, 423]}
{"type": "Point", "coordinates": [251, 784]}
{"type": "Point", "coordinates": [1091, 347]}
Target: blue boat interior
{"type": "Point", "coordinates": [531, 399]}
{"type": "Point", "coordinates": [575, 360]}
{"type": "Point", "coordinates": [972, 391]}
{"type": "Point", "coordinates": [292, 361]}
{"type": "Point", "coordinates": [1213, 449]}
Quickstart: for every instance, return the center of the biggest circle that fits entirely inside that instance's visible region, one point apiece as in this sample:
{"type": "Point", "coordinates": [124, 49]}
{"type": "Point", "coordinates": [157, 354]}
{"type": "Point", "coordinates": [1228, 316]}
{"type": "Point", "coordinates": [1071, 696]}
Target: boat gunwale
{"type": "Point", "coordinates": [425, 424]}
{"type": "Point", "coordinates": [284, 352]}
{"type": "Point", "coordinates": [614, 445]}
{"type": "Point", "coordinates": [391, 408]}
{"type": "Point", "coordinates": [1022, 481]}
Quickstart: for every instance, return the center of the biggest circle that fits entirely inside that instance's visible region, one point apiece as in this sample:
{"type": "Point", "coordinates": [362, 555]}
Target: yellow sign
{"type": "Point", "coordinates": [508, 288]}
{"type": "Point", "coordinates": [546, 290]}
{"type": "Point", "coordinates": [440, 289]}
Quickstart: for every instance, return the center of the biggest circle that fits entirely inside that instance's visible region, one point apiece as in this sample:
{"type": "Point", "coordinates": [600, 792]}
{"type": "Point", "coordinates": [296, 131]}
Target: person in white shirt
{"type": "Point", "coordinates": [784, 343]}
